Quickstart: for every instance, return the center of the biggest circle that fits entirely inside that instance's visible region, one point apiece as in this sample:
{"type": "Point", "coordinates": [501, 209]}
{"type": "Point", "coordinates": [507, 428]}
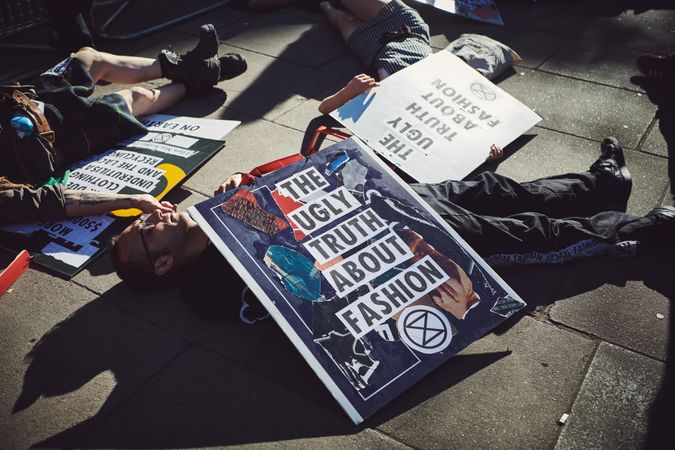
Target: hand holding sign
{"type": "Point", "coordinates": [359, 84]}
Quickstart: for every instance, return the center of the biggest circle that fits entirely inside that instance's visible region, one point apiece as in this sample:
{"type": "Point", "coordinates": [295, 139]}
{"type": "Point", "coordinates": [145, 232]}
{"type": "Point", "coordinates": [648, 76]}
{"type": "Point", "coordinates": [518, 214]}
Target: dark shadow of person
{"type": "Point", "coordinates": [291, 73]}
{"type": "Point", "coordinates": [168, 393]}
{"type": "Point", "coordinates": [662, 94]}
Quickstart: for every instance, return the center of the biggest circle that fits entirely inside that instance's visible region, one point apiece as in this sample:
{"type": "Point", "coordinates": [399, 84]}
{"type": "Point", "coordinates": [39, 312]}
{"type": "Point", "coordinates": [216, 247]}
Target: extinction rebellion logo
{"type": "Point", "coordinates": [424, 329]}
{"type": "Point", "coordinates": [483, 92]}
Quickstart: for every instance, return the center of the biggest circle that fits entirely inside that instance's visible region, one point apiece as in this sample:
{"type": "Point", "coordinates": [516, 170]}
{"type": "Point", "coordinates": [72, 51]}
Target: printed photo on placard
{"type": "Point", "coordinates": [373, 288]}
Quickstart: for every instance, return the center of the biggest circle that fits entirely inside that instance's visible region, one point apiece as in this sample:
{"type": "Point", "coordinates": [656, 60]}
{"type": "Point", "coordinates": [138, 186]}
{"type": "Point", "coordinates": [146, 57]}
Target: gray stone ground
{"type": "Point", "coordinates": [85, 363]}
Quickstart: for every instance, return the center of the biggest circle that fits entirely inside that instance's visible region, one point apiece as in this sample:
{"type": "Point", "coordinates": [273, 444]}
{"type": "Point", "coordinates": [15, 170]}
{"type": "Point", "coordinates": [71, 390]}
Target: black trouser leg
{"type": "Point", "coordinates": [574, 194]}
{"type": "Point", "coordinates": [531, 237]}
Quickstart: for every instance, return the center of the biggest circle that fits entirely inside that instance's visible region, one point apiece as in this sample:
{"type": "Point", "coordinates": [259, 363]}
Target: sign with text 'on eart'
{"type": "Point", "coordinates": [437, 119]}
{"type": "Point", "coordinates": [372, 287]}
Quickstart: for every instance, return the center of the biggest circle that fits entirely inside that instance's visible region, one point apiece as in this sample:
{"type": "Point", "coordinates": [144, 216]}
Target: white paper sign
{"type": "Point", "coordinates": [436, 119]}
{"type": "Point", "coordinates": [191, 126]}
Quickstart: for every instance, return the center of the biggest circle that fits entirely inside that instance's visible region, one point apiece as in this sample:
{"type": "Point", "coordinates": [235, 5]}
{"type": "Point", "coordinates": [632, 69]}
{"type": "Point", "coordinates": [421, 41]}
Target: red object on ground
{"type": "Point", "coordinates": [248, 178]}
{"type": "Point", "coordinates": [14, 271]}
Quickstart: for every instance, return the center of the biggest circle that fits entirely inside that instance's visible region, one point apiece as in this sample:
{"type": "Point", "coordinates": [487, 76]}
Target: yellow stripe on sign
{"type": "Point", "coordinates": [173, 175]}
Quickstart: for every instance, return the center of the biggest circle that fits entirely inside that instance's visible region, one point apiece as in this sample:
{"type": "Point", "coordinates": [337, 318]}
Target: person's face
{"type": "Point", "coordinates": [456, 295]}
{"type": "Point", "coordinates": [157, 238]}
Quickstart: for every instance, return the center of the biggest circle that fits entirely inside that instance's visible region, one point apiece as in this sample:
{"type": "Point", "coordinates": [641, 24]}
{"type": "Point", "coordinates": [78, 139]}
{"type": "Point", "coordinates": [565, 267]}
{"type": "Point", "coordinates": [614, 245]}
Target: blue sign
{"type": "Point", "coordinates": [372, 287]}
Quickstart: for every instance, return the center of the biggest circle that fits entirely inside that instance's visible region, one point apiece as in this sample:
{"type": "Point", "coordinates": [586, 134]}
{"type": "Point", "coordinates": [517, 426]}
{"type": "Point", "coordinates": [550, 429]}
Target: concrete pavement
{"type": "Point", "coordinates": [86, 363]}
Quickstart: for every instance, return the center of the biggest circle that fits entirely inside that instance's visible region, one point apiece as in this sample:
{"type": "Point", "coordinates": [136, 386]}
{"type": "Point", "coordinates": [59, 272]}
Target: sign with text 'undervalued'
{"type": "Point", "coordinates": [372, 287]}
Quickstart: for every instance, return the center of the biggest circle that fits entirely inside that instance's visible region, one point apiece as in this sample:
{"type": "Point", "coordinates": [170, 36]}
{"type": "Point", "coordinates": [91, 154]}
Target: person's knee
{"type": "Point", "coordinates": [142, 95]}
{"type": "Point", "coordinates": [91, 58]}
{"type": "Point", "coordinates": [88, 55]}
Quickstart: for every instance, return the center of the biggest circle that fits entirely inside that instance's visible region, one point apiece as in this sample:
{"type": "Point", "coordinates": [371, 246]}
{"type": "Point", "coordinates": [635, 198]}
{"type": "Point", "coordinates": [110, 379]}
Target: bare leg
{"type": "Point", "coordinates": [266, 5]}
{"type": "Point", "coordinates": [118, 68]}
{"type": "Point", "coordinates": [142, 100]}
{"type": "Point", "coordinates": [364, 9]}
{"type": "Point", "coordinates": [344, 22]}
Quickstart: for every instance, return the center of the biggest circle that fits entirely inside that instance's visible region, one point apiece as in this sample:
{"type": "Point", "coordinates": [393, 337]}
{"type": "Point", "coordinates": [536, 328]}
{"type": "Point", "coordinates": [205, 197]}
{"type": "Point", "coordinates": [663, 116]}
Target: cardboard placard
{"type": "Point", "coordinates": [437, 119]}
{"type": "Point", "coordinates": [372, 287]}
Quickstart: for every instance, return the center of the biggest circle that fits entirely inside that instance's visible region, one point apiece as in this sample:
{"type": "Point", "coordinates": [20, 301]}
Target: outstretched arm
{"type": "Point", "coordinates": [358, 85]}
{"type": "Point", "coordinates": [86, 203]}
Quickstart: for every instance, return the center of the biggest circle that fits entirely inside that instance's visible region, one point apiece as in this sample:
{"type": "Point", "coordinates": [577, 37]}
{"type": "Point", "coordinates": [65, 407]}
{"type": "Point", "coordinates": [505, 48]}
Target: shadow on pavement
{"type": "Point", "coordinates": [656, 273]}
{"type": "Point", "coordinates": [662, 95]}
{"type": "Point", "coordinates": [207, 401]}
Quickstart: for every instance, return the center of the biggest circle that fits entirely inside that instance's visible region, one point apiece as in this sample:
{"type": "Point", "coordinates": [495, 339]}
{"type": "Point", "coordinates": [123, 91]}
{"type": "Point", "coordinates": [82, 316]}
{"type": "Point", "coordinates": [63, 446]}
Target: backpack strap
{"type": "Point", "coordinates": [32, 109]}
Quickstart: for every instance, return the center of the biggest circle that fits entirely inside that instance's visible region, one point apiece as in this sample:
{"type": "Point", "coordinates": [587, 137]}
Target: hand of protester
{"type": "Point", "coordinates": [495, 153]}
{"type": "Point", "coordinates": [148, 204]}
{"type": "Point", "coordinates": [230, 182]}
{"type": "Point", "coordinates": [359, 84]}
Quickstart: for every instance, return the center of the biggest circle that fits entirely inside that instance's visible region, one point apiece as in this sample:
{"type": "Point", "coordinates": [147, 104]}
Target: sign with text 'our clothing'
{"type": "Point", "coordinates": [152, 163]}
{"type": "Point", "coordinates": [372, 287]}
{"type": "Point", "coordinates": [437, 119]}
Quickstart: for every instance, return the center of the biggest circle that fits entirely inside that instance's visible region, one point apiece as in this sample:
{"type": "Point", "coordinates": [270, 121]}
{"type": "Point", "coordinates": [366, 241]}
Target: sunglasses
{"type": "Point", "coordinates": [143, 225]}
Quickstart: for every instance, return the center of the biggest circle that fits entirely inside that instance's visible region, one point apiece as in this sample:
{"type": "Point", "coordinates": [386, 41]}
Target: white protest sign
{"type": "Point", "coordinates": [191, 126]}
{"type": "Point", "coordinates": [436, 119]}
{"type": "Point", "coordinates": [114, 170]}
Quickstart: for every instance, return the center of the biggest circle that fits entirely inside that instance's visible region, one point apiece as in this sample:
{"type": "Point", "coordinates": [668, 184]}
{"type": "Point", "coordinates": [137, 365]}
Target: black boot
{"type": "Point", "coordinates": [198, 68]}
{"type": "Point", "coordinates": [611, 167]}
{"type": "Point", "coordinates": [231, 65]}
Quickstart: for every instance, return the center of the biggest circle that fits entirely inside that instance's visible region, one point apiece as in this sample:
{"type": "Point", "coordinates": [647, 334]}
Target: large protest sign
{"type": "Point", "coordinates": [437, 119]}
{"type": "Point", "coordinates": [373, 288]}
{"type": "Point", "coordinates": [481, 10]}
{"type": "Point", "coordinates": [152, 163]}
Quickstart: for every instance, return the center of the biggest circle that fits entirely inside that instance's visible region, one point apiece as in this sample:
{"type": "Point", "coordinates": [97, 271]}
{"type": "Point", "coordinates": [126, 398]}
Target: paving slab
{"type": "Point", "coordinates": [270, 87]}
{"type": "Point", "coordinates": [344, 65]}
{"type": "Point", "coordinates": [202, 400]}
{"type": "Point", "coordinates": [537, 285]}
{"type": "Point", "coordinates": [614, 24]}
{"type": "Point", "coordinates": [611, 410]}
{"type": "Point", "coordinates": [220, 18]}
{"type": "Point", "coordinates": [278, 351]}
{"type": "Point", "coordinates": [650, 181]}
{"type": "Point", "coordinates": [618, 300]}
{"type": "Point", "coordinates": [656, 142]}
{"type": "Point", "coordinates": [511, 401]}
{"type": "Point", "coordinates": [249, 145]}
{"type": "Point", "coordinates": [582, 108]}
{"type": "Point", "coordinates": [302, 116]}
{"type": "Point", "coordinates": [305, 40]}
{"type": "Point", "coordinates": [591, 61]}
{"type": "Point", "coordinates": [134, 17]}
{"type": "Point", "coordinates": [67, 358]}
{"type": "Point", "coordinates": [542, 153]}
